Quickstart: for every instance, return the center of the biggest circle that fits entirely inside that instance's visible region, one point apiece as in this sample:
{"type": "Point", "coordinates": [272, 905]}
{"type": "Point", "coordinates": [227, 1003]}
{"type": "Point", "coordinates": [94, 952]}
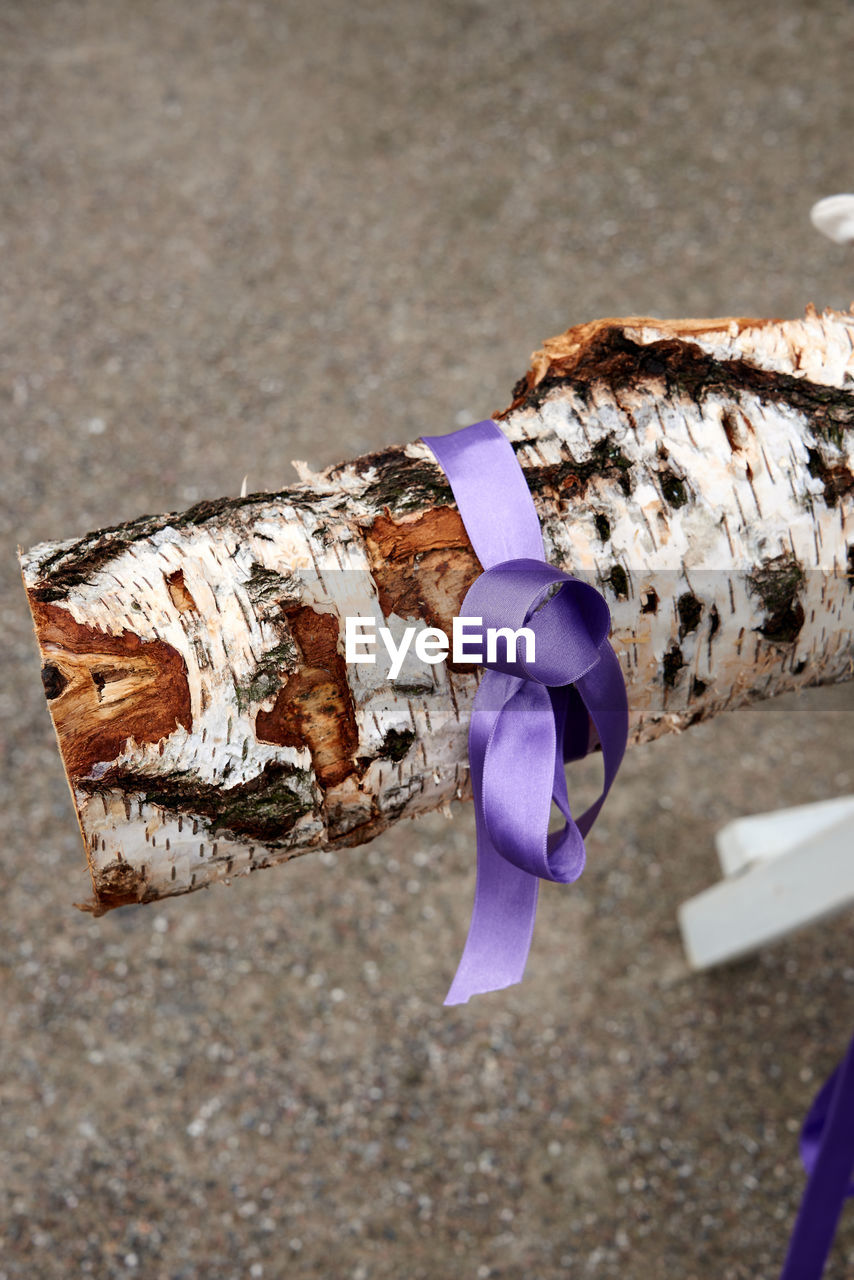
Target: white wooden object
{"type": "Point", "coordinates": [783, 870]}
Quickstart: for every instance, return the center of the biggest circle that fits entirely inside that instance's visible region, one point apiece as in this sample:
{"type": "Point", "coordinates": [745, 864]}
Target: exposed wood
{"type": "Point", "coordinates": [700, 473]}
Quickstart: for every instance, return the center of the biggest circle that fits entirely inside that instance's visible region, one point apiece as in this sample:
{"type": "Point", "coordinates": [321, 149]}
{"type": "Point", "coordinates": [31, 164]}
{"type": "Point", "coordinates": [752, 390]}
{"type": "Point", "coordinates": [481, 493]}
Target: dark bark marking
{"type": "Point", "coordinates": [396, 744]}
{"type": "Point", "coordinates": [649, 601]}
{"type": "Point", "coordinates": [264, 808]}
{"type": "Point", "coordinates": [784, 627]}
{"type": "Point", "coordinates": [835, 477]}
{"type": "Point", "coordinates": [672, 665]}
{"type": "Point", "coordinates": [714, 622]}
{"type": "Point", "coordinates": [619, 582]}
{"type": "Point", "coordinates": [777, 583]}
{"type": "Point", "coordinates": [613, 359]}
{"type": "Point", "coordinates": [690, 611]}
{"type": "Point", "coordinates": [673, 488]}
{"type": "Point", "coordinates": [570, 478]}
{"type": "Point", "coordinates": [53, 680]}
{"type": "Point", "coordinates": [403, 484]}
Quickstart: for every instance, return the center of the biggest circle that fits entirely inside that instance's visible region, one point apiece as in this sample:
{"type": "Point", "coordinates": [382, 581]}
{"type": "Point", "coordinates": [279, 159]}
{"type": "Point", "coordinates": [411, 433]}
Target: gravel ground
{"type": "Point", "coordinates": [235, 233]}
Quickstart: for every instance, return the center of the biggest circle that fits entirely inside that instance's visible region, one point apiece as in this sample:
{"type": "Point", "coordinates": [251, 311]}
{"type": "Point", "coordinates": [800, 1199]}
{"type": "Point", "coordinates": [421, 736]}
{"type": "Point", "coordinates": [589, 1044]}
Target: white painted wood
{"type": "Point", "coordinates": [834, 217]}
{"type": "Point", "coordinates": [762, 836]}
{"type": "Point", "coordinates": [812, 880]}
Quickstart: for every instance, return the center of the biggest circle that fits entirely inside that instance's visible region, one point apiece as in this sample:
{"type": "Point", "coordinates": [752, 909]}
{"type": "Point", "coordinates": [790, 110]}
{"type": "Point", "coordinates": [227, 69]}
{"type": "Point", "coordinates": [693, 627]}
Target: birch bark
{"type": "Point", "coordinates": [699, 473]}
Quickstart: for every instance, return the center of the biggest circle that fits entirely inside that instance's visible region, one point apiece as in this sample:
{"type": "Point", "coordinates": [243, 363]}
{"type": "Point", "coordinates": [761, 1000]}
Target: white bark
{"type": "Point", "coordinates": [705, 465]}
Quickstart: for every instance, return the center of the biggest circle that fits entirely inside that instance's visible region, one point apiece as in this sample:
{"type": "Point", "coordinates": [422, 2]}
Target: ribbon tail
{"type": "Point", "coordinates": [505, 897]}
{"type": "Point", "coordinates": [821, 1206]}
{"type": "Point", "coordinates": [501, 928]}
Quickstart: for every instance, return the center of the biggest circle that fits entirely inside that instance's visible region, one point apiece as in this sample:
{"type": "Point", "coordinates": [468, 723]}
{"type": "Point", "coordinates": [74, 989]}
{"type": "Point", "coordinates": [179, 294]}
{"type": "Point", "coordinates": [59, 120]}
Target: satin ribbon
{"type": "Point", "coordinates": [827, 1152]}
{"type": "Point", "coordinates": [527, 718]}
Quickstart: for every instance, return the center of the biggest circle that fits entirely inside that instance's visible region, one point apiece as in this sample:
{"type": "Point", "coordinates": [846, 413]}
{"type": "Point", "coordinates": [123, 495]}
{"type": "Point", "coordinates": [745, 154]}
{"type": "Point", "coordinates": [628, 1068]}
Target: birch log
{"type": "Point", "coordinates": [698, 472]}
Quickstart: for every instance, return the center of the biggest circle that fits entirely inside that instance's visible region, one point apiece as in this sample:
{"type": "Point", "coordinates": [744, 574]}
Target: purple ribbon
{"type": "Point", "coordinates": [527, 718]}
{"type": "Point", "coordinates": [827, 1151]}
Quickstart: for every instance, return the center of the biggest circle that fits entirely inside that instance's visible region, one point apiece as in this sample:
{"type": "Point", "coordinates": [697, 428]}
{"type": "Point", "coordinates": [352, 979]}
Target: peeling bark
{"type": "Point", "coordinates": [699, 473]}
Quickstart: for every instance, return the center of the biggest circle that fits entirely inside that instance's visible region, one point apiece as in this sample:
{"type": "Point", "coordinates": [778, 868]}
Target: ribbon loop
{"type": "Point", "coordinates": [569, 627]}
{"type": "Point", "coordinates": [518, 786]}
{"type": "Point", "coordinates": [531, 712]}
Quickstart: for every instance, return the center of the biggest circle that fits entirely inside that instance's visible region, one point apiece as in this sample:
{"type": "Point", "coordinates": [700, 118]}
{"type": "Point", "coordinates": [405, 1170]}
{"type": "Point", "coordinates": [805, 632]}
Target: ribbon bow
{"type": "Point", "coordinates": [528, 718]}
